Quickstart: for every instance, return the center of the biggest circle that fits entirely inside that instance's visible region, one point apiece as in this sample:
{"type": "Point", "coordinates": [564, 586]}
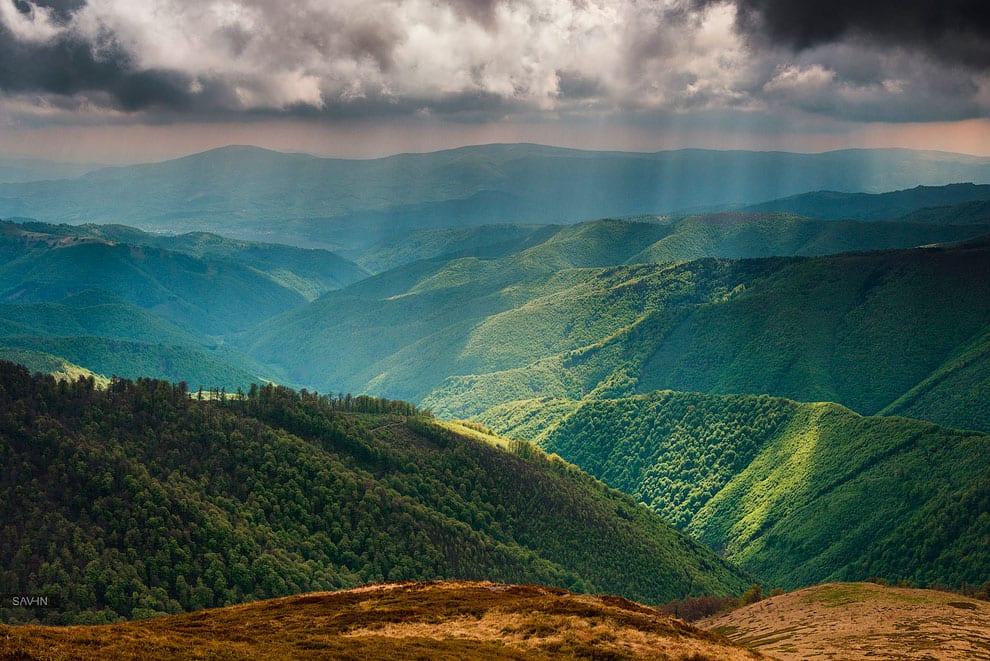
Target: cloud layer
{"type": "Point", "coordinates": [482, 60]}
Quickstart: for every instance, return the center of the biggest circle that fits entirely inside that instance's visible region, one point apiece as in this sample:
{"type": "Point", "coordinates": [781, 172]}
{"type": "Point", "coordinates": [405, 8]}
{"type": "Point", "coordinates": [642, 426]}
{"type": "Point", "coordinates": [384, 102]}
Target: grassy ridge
{"type": "Point", "coordinates": [796, 493]}
{"type": "Point", "coordinates": [140, 500]}
{"type": "Point", "coordinates": [440, 620]}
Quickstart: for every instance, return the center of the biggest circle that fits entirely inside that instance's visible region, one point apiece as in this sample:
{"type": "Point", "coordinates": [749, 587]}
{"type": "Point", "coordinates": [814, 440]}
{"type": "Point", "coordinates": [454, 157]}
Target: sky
{"type": "Point", "coordinates": [125, 81]}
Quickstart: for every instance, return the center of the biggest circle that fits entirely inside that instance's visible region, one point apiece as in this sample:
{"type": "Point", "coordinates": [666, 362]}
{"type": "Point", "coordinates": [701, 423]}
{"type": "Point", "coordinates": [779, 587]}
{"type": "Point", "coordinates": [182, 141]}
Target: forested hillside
{"type": "Point", "coordinates": [558, 318]}
{"type": "Point", "coordinates": [796, 493]}
{"type": "Point", "coordinates": [860, 329]}
{"type": "Point", "coordinates": [142, 499]}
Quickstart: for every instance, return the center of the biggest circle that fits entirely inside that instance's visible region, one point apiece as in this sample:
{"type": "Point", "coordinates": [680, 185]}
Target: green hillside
{"type": "Point", "coordinates": [795, 493]}
{"type": "Point", "coordinates": [92, 313]}
{"type": "Point", "coordinates": [441, 318]}
{"type": "Point", "coordinates": [139, 500]}
{"type": "Point", "coordinates": [487, 241]}
{"type": "Point", "coordinates": [955, 393]}
{"type": "Point", "coordinates": [307, 272]}
{"type": "Point", "coordinates": [214, 297]}
{"type": "Point", "coordinates": [199, 366]}
{"type": "Point", "coordinates": [44, 363]}
{"type": "Point", "coordinates": [739, 236]}
{"type": "Point", "coordinates": [860, 329]}
{"type": "Point", "coordinates": [970, 213]}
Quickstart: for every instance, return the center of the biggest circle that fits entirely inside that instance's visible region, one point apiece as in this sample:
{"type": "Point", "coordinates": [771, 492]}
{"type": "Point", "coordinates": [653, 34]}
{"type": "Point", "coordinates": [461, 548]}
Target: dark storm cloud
{"type": "Point", "coordinates": [575, 85]}
{"type": "Point", "coordinates": [61, 10]}
{"type": "Point", "coordinates": [955, 31]}
{"type": "Point", "coordinates": [68, 65]}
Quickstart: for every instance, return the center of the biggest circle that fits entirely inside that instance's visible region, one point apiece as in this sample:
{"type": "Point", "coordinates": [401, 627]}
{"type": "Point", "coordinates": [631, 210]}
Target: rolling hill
{"type": "Point", "coordinates": [157, 502]}
{"type": "Point", "coordinates": [796, 493]}
{"type": "Point", "coordinates": [557, 320]}
{"type": "Point", "coordinates": [212, 297]}
{"type": "Point", "coordinates": [860, 329]}
{"type": "Point", "coordinates": [304, 200]}
{"type": "Point", "coordinates": [308, 272]}
{"type": "Point", "coordinates": [861, 621]}
{"type": "Point", "coordinates": [44, 363]}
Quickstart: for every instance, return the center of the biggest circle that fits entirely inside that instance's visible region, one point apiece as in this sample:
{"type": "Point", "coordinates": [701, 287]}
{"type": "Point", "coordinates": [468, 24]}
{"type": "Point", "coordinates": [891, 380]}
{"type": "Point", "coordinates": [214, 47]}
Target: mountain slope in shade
{"type": "Point", "coordinates": [93, 313]}
{"type": "Point", "coordinates": [860, 622]}
{"type": "Point", "coordinates": [308, 272]}
{"type": "Point", "coordinates": [441, 620]}
{"type": "Point", "coordinates": [955, 393]}
{"type": "Point", "coordinates": [796, 493]}
{"type": "Point", "coordinates": [207, 296]}
{"type": "Point", "coordinates": [921, 200]}
{"type": "Point", "coordinates": [158, 502]}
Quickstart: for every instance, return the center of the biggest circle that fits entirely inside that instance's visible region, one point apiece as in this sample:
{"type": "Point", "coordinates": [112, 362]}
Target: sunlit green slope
{"type": "Point", "coordinates": [406, 331]}
{"type": "Point", "coordinates": [861, 329]}
{"type": "Point", "coordinates": [796, 493]}
{"type": "Point", "coordinates": [44, 363]}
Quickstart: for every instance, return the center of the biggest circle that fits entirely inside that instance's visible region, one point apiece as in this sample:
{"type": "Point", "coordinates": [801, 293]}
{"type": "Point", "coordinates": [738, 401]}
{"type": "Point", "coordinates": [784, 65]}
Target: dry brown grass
{"type": "Point", "coordinates": [442, 620]}
{"type": "Point", "coordinates": [861, 621]}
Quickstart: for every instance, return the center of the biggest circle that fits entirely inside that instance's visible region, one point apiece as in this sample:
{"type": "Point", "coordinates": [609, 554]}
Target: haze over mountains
{"type": "Point", "coordinates": [771, 380]}
{"type": "Point", "coordinates": [305, 200]}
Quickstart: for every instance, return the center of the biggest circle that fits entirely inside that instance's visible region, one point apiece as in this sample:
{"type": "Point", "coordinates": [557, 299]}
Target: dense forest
{"type": "Point", "coordinates": [145, 498]}
{"type": "Point", "coordinates": [797, 493]}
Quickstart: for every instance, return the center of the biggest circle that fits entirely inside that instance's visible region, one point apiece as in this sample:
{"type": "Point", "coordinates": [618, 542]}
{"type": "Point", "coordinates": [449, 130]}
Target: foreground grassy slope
{"type": "Point", "coordinates": [161, 503]}
{"type": "Point", "coordinates": [861, 621]}
{"type": "Point", "coordinates": [795, 493]}
{"type": "Point", "coordinates": [449, 620]}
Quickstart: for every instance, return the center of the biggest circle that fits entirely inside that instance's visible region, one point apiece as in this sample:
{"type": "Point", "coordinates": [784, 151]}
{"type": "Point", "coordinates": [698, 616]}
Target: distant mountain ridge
{"type": "Point", "coordinates": [301, 199]}
{"type": "Point", "coordinates": [919, 204]}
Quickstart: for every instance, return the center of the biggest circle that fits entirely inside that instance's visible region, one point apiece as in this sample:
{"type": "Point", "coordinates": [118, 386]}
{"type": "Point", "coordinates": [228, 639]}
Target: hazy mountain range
{"type": "Point", "coordinates": [304, 200]}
